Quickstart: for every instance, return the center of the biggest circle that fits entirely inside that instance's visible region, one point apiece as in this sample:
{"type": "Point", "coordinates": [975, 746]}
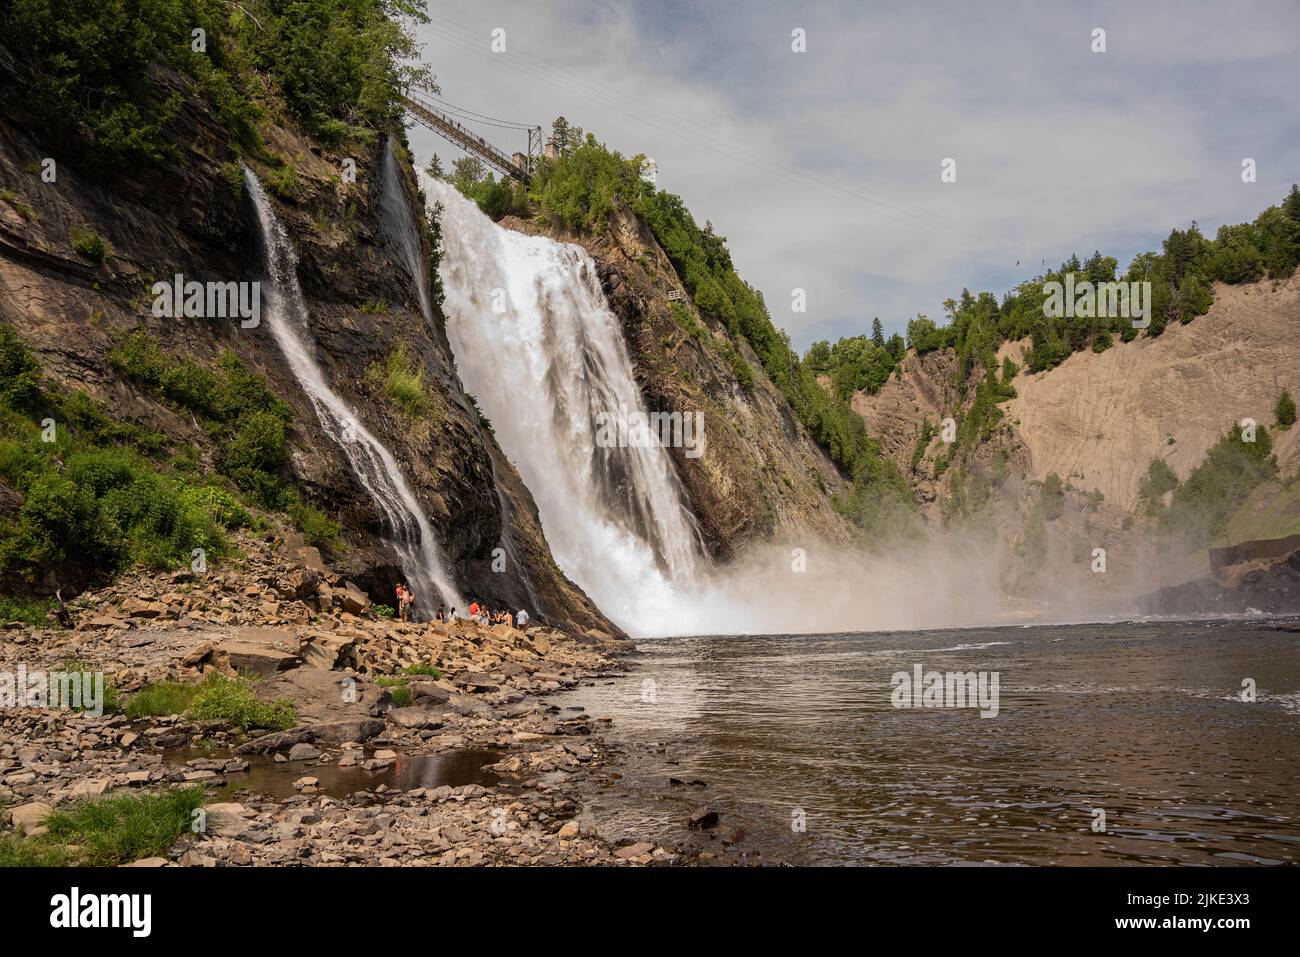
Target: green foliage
{"type": "Point", "coordinates": [339, 63]}
{"type": "Point", "coordinates": [854, 364]}
{"type": "Point", "coordinates": [495, 197]}
{"type": "Point", "coordinates": [30, 611]}
{"type": "Point", "coordinates": [1232, 469]}
{"type": "Point", "coordinates": [109, 832]}
{"type": "Point", "coordinates": [1284, 410]}
{"type": "Point", "coordinates": [103, 67]}
{"type": "Point", "coordinates": [248, 422]}
{"type": "Point", "coordinates": [426, 670]}
{"type": "Point", "coordinates": [161, 698]}
{"type": "Point", "coordinates": [579, 189]}
{"type": "Point", "coordinates": [317, 528]}
{"type": "Point", "coordinates": [399, 378]}
{"type": "Point", "coordinates": [1052, 497]}
{"type": "Point", "coordinates": [20, 374]}
{"type": "Point", "coordinates": [231, 700]}
{"type": "Point", "coordinates": [1158, 481]}
{"type": "Point", "coordinates": [383, 611]}
{"type": "Point", "coordinates": [90, 244]}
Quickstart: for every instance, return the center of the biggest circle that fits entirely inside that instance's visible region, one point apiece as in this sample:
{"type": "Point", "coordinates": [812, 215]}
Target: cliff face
{"type": "Point", "coordinates": [189, 215]}
{"type": "Point", "coordinates": [1096, 421]}
{"type": "Point", "coordinates": [1103, 417]}
{"type": "Point", "coordinates": [762, 477]}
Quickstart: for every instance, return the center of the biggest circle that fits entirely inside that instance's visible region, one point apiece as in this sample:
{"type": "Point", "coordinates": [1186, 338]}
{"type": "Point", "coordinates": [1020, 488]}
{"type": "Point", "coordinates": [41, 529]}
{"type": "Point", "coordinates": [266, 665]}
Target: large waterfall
{"type": "Point", "coordinates": [538, 347]}
{"type": "Point", "coordinates": [287, 317]}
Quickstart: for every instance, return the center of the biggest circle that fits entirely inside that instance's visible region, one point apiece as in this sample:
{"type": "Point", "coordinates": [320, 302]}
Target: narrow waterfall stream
{"type": "Point", "coordinates": [287, 317]}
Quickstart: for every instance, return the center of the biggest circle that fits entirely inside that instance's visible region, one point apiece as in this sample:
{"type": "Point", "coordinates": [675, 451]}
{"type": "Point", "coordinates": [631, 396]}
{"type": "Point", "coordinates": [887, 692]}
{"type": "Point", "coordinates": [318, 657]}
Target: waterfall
{"type": "Point", "coordinates": [287, 317]}
{"type": "Point", "coordinates": [537, 345]}
{"type": "Point", "coordinates": [403, 234]}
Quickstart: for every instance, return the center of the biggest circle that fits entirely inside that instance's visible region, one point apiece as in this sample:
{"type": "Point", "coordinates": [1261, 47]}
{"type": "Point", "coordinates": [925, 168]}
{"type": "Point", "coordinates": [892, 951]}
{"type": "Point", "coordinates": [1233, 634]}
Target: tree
{"type": "Point", "coordinates": [877, 333]}
{"type": "Point", "coordinates": [560, 135]}
{"type": "Point", "coordinates": [1285, 410]}
{"type": "Point", "coordinates": [467, 172]}
{"type": "Point", "coordinates": [434, 168]}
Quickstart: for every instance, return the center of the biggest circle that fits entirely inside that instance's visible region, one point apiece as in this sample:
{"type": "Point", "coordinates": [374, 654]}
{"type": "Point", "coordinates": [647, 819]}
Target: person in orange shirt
{"type": "Point", "coordinates": [473, 609]}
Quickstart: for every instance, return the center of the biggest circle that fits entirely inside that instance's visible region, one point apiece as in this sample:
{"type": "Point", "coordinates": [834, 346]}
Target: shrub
{"type": "Point", "coordinates": [1284, 411]}
{"type": "Point", "coordinates": [1053, 497]}
{"type": "Point", "coordinates": [90, 244]}
{"type": "Point", "coordinates": [399, 379]}
{"type": "Point", "coordinates": [218, 698]}
{"type": "Point", "coordinates": [20, 374]}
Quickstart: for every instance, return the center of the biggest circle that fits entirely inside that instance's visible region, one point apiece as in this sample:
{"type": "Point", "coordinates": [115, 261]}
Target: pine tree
{"type": "Point", "coordinates": [877, 333]}
{"type": "Point", "coordinates": [1285, 410]}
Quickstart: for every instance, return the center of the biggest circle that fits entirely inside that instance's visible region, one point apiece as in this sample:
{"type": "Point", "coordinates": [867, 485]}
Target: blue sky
{"type": "Point", "coordinates": [822, 168]}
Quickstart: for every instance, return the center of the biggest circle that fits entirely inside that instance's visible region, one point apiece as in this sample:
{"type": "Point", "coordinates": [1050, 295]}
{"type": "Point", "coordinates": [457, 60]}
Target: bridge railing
{"type": "Point", "coordinates": [449, 128]}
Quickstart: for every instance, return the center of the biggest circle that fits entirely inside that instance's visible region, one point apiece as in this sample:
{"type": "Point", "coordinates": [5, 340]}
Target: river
{"type": "Point", "coordinates": [1124, 743]}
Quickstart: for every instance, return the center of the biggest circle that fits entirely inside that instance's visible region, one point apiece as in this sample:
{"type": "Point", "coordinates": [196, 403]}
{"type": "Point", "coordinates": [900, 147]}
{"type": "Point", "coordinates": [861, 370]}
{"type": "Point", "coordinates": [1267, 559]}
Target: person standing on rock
{"type": "Point", "coordinates": [404, 599]}
{"type": "Point", "coordinates": [521, 620]}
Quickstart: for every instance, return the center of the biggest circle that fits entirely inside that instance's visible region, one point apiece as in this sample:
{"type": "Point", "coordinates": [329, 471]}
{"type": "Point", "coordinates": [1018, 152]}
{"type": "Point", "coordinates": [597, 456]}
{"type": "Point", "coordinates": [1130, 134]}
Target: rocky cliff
{"type": "Point", "coordinates": [189, 215]}
{"type": "Point", "coordinates": [763, 478]}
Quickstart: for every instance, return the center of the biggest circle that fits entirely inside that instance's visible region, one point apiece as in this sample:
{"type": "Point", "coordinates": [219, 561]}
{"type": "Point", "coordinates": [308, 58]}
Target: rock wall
{"type": "Point", "coordinates": [189, 215]}
{"type": "Point", "coordinates": [762, 476]}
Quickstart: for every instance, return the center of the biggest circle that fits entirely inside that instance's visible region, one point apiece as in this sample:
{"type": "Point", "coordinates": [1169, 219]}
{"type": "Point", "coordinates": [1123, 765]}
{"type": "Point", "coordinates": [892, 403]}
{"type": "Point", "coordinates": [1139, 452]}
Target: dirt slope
{"type": "Point", "coordinates": [1100, 419]}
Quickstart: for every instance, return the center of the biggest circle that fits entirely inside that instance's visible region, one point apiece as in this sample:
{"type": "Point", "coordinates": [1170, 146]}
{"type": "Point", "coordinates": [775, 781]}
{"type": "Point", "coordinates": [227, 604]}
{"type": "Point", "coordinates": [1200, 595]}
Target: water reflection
{"type": "Point", "coordinates": [1143, 721]}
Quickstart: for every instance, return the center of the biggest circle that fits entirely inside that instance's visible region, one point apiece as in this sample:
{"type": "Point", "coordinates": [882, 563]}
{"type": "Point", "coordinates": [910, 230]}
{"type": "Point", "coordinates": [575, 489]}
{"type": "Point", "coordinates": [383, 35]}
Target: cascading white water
{"type": "Point", "coordinates": [288, 319]}
{"type": "Point", "coordinates": [537, 345]}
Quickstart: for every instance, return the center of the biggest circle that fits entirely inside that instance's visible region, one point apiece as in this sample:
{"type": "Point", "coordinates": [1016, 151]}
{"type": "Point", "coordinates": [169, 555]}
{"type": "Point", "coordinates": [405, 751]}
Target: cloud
{"type": "Point", "coordinates": [822, 168]}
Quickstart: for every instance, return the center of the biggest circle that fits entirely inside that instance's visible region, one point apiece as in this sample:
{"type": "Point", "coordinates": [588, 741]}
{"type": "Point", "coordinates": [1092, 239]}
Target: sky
{"type": "Point", "coordinates": [822, 168]}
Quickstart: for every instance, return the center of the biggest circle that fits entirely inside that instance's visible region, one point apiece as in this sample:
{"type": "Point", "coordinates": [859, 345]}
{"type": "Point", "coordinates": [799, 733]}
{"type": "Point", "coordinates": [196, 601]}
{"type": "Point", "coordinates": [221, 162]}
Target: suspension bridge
{"type": "Point", "coordinates": [460, 127]}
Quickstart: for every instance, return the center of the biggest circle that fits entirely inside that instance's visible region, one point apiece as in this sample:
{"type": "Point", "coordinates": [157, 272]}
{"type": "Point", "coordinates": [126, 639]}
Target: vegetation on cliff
{"type": "Point", "coordinates": [580, 188]}
{"type": "Point", "coordinates": [92, 494]}
{"type": "Point", "coordinates": [101, 67]}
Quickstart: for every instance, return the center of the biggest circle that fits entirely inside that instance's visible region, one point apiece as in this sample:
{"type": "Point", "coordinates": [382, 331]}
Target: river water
{"type": "Point", "coordinates": [795, 741]}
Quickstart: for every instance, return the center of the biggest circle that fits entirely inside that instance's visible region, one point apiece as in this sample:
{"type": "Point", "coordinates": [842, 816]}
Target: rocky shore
{"type": "Point", "coordinates": [374, 701]}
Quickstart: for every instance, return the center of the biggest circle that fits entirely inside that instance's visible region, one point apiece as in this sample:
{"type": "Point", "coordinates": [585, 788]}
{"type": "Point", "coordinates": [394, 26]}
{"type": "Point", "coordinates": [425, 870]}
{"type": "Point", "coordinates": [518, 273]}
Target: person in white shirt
{"type": "Point", "coordinates": [521, 620]}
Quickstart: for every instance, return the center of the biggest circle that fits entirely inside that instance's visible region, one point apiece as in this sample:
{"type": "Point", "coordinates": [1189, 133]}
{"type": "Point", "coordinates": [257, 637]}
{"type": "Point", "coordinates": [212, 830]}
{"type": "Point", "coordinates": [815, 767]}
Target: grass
{"type": "Point", "coordinates": [18, 851]}
{"type": "Point", "coordinates": [1270, 512]}
{"type": "Point", "coordinates": [106, 832]}
{"type": "Point", "coordinates": [22, 208]}
{"type": "Point", "coordinates": [396, 686]}
{"type": "Point", "coordinates": [30, 611]}
{"type": "Point", "coordinates": [90, 244]}
{"type": "Point", "coordinates": [112, 702]}
{"type": "Point", "coordinates": [427, 670]}
{"type": "Point", "coordinates": [402, 382]}
{"type": "Point", "coordinates": [215, 698]}
{"type": "Point", "coordinates": [165, 697]}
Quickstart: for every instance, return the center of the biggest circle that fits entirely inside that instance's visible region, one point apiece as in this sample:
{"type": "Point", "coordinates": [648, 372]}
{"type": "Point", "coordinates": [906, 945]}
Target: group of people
{"type": "Point", "coordinates": [478, 611]}
{"type": "Point", "coordinates": [481, 613]}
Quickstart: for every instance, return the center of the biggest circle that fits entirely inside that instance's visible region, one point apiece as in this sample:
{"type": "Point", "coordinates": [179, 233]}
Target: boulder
{"type": "Point", "coordinates": [29, 818]}
{"type": "Point", "coordinates": [328, 652]}
{"type": "Point", "coordinates": [139, 608]}
{"type": "Point", "coordinates": [352, 599]}
{"type": "Point", "coordinates": [262, 651]}
{"type": "Point", "coordinates": [347, 729]}
{"type": "Point", "coordinates": [705, 817]}
{"type": "Point", "coordinates": [416, 718]}
{"type": "Point", "coordinates": [226, 819]}
{"type": "Point", "coordinates": [277, 741]}
{"type": "Point", "coordinates": [303, 752]}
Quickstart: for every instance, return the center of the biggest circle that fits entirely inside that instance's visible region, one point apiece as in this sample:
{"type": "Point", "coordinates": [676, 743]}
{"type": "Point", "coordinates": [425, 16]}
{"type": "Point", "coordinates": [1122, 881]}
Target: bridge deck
{"type": "Point", "coordinates": [442, 124]}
